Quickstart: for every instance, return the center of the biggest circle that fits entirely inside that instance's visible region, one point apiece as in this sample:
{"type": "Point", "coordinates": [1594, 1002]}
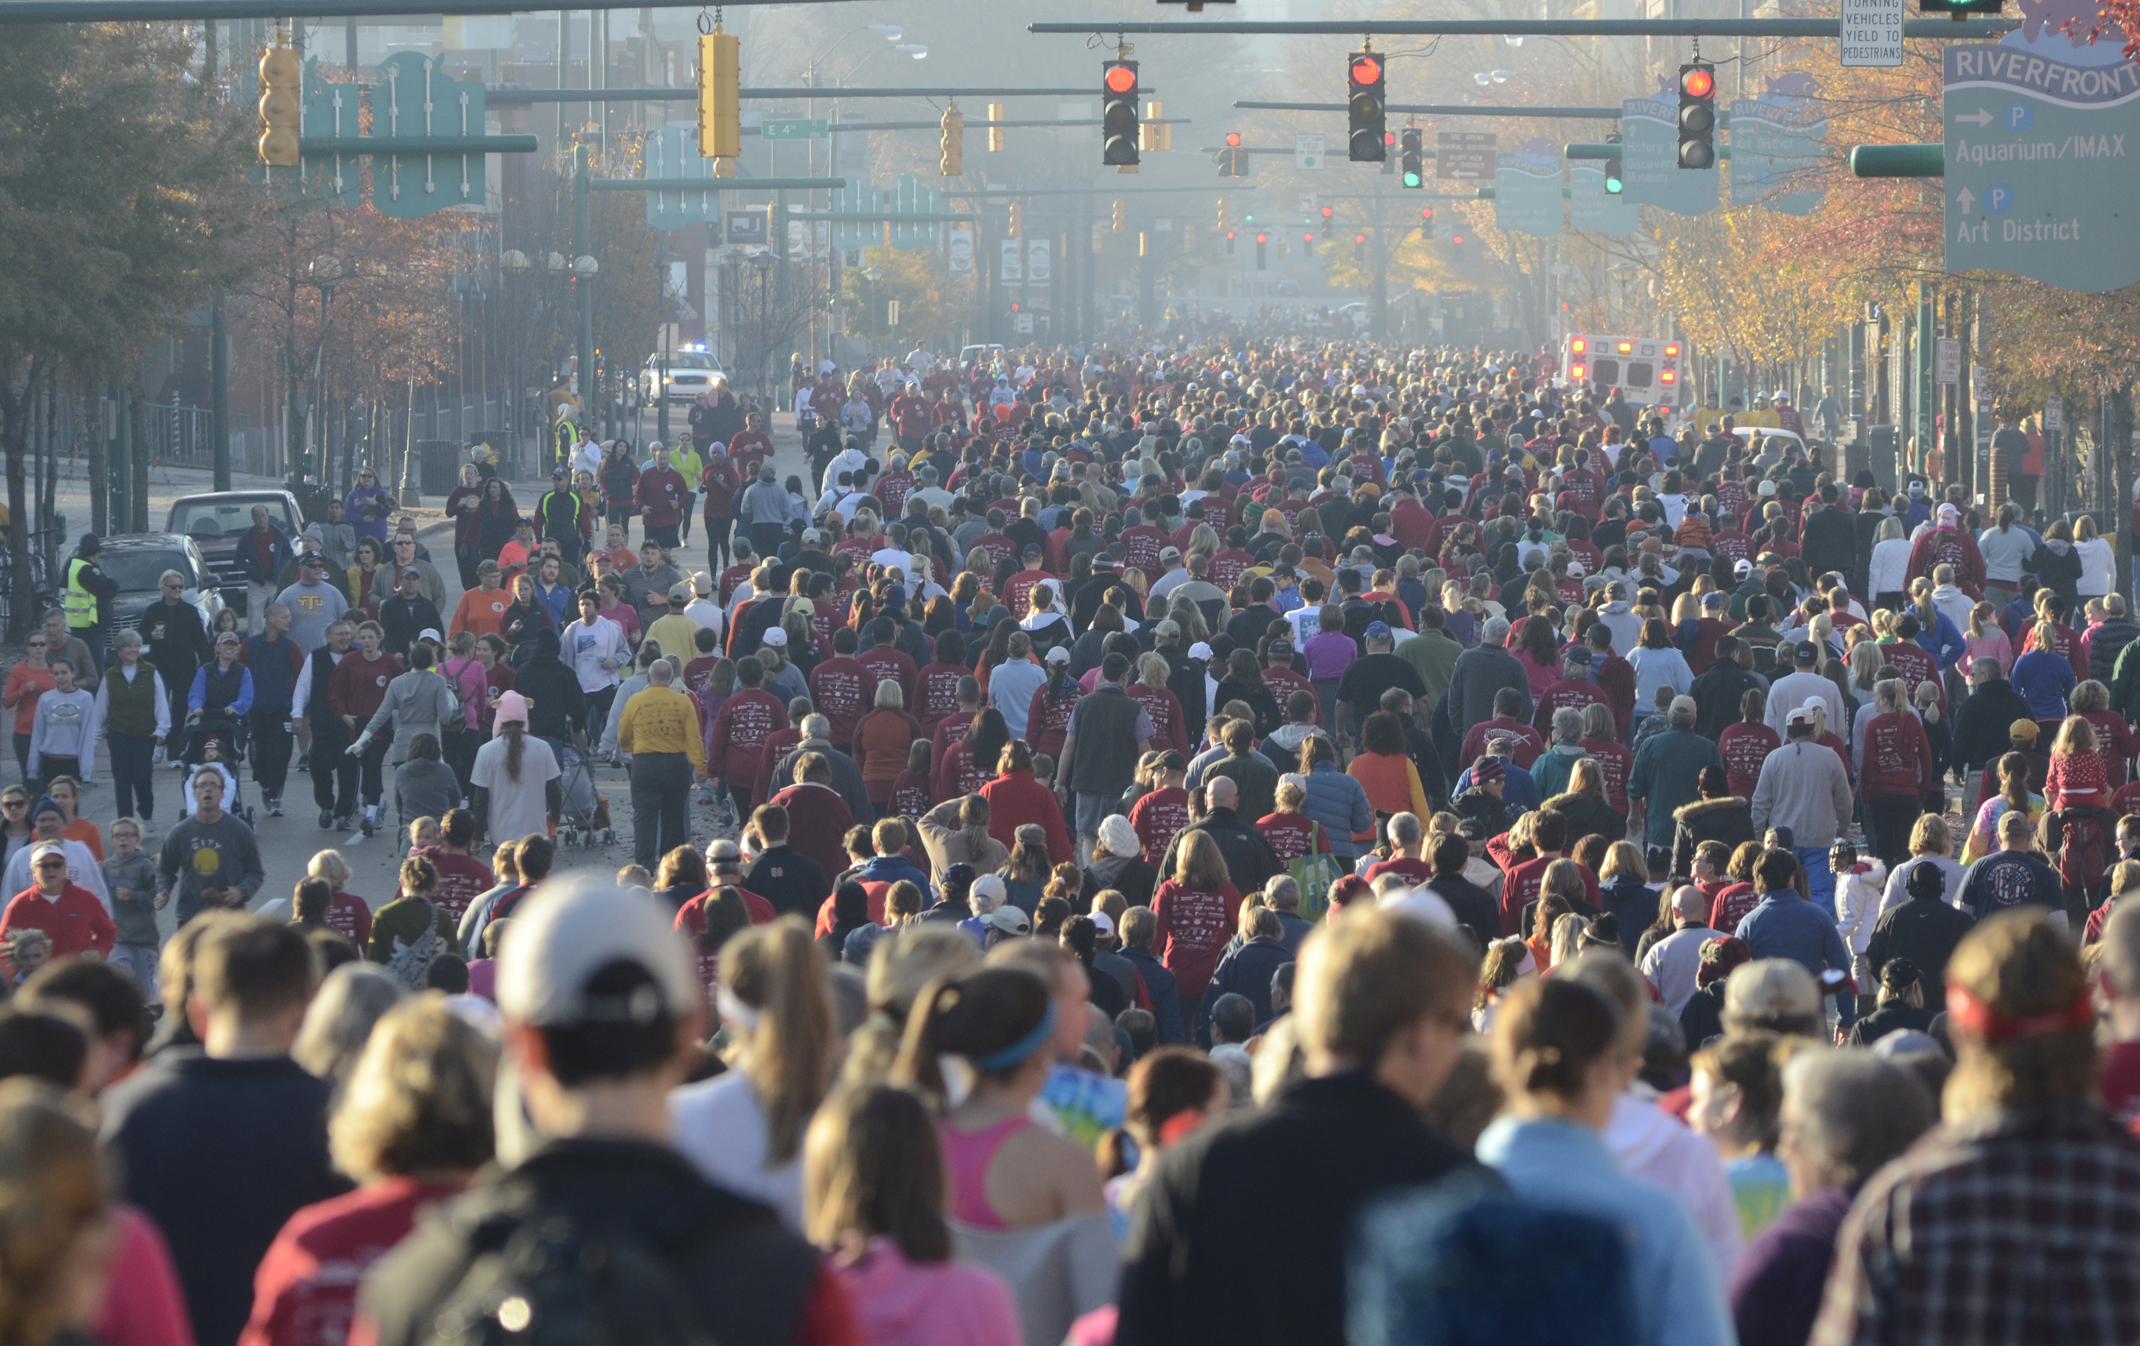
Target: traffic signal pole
{"type": "Point", "coordinates": [1971, 29]}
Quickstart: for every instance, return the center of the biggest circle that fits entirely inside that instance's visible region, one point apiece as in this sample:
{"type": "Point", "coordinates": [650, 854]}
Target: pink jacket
{"type": "Point", "coordinates": [897, 1303]}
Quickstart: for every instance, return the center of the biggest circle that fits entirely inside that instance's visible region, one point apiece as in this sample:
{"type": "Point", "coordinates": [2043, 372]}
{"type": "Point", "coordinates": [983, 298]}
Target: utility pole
{"type": "Point", "coordinates": [564, 66]}
{"type": "Point", "coordinates": [582, 232]}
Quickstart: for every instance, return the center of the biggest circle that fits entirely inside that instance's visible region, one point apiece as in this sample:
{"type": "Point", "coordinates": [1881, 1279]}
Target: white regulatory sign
{"type": "Point", "coordinates": [1947, 360]}
{"type": "Point", "coordinates": [1871, 33]}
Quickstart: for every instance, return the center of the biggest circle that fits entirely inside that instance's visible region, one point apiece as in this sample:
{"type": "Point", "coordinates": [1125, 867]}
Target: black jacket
{"type": "Point", "coordinates": [1829, 542]}
{"type": "Point", "coordinates": [1729, 820]}
{"type": "Point", "coordinates": [1925, 931]}
{"type": "Point", "coordinates": [1250, 862]}
{"type": "Point", "coordinates": [1981, 725]}
{"type": "Point", "coordinates": [220, 1153]}
{"type": "Point", "coordinates": [1128, 875]}
{"type": "Point", "coordinates": [556, 705]}
{"type": "Point", "coordinates": [1198, 1269]}
{"type": "Point", "coordinates": [1893, 1017]}
{"type": "Point", "coordinates": [1703, 1017]}
{"type": "Point", "coordinates": [1475, 908]}
{"type": "Point", "coordinates": [752, 1281]}
{"type": "Point", "coordinates": [792, 882]}
{"type": "Point", "coordinates": [1717, 693]}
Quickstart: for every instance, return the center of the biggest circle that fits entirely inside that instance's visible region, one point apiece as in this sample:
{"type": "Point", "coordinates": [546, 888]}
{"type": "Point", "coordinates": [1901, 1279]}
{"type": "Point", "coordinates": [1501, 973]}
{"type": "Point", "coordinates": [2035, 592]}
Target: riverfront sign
{"type": "Point", "coordinates": [2041, 179]}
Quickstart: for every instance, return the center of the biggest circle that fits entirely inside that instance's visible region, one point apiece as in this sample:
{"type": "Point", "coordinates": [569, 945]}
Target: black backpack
{"type": "Point", "coordinates": [543, 1280]}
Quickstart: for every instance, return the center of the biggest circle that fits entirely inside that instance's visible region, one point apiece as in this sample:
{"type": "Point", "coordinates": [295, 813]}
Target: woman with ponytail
{"type": "Point", "coordinates": [1557, 1057]}
{"type": "Point", "coordinates": [1023, 1199]}
{"type": "Point", "coordinates": [744, 1130]}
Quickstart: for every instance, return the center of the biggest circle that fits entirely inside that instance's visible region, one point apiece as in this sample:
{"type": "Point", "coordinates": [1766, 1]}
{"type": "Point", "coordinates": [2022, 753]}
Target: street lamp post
{"type": "Point", "coordinates": [872, 275]}
{"type": "Point", "coordinates": [584, 268]}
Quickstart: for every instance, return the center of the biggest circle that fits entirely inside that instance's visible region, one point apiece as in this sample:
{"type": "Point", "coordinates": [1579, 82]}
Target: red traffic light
{"type": "Point", "coordinates": [1233, 140]}
{"type": "Point", "coordinates": [1359, 238]}
{"type": "Point", "coordinates": [1426, 212]}
{"type": "Point", "coordinates": [1389, 137]}
{"type": "Point", "coordinates": [1307, 238]}
{"type": "Point", "coordinates": [1328, 212]}
{"type": "Point", "coordinates": [1700, 82]}
{"type": "Point", "coordinates": [1121, 79]}
{"type": "Point", "coordinates": [1229, 236]}
{"type": "Point", "coordinates": [1458, 239]}
{"type": "Point", "coordinates": [1366, 70]}
{"type": "Point", "coordinates": [1014, 306]}
{"type": "Point", "coordinates": [1262, 237]}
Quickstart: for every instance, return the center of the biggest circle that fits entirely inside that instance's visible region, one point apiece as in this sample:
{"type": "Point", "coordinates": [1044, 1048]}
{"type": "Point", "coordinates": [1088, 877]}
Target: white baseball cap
{"type": "Point", "coordinates": [570, 929]}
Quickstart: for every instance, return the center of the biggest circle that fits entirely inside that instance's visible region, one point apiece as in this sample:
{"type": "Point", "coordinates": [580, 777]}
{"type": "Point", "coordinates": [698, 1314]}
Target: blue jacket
{"type": "Point", "coordinates": [1339, 803]}
{"type": "Point", "coordinates": [2045, 679]}
{"type": "Point", "coordinates": [1942, 641]}
{"type": "Point", "coordinates": [241, 702]}
{"type": "Point", "coordinates": [1247, 971]}
{"type": "Point", "coordinates": [249, 557]}
{"type": "Point", "coordinates": [274, 682]}
{"type": "Point", "coordinates": [1785, 925]}
{"type": "Point", "coordinates": [893, 868]}
{"type": "Point", "coordinates": [1161, 990]}
{"type": "Point", "coordinates": [1561, 1165]}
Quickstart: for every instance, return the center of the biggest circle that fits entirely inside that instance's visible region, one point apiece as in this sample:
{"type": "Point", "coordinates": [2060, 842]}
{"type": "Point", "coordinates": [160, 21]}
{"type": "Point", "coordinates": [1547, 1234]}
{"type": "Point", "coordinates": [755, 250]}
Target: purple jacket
{"type": "Point", "coordinates": [1776, 1292]}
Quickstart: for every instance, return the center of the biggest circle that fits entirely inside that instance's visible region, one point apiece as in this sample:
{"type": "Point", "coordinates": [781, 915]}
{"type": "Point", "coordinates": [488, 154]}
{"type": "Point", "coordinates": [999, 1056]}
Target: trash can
{"type": "Point", "coordinates": [438, 466]}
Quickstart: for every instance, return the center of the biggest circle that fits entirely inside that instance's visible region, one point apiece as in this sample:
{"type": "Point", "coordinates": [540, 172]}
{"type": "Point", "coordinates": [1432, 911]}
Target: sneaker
{"type": "Point", "coordinates": [156, 758]}
{"type": "Point", "coordinates": [346, 822]}
{"type": "Point", "coordinates": [371, 822]}
{"type": "Point", "coordinates": [327, 820]}
{"type": "Point", "coordinates": [274, 807]}
{"type": "Point", "coordinates": [304, 762]}
{"type": "Point", "coordinates": [148, 828]}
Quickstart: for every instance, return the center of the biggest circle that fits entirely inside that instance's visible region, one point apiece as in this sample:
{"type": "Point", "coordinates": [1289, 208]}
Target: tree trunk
{"type": "Point", "coordinates": [99, 496]}
{"type": "Point", "coordinates": [138, 494]}
{"type": "Point", "coordinates": [15, 404]}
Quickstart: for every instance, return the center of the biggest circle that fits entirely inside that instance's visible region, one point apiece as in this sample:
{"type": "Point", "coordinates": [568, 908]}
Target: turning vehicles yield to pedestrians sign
{"type": "Point", "coordinates": [2041, 148]}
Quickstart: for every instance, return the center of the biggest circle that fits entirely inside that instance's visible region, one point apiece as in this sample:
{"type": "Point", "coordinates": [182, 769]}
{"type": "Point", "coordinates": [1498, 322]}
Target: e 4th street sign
{"type": "Point", "coordinates": [2041, 178]}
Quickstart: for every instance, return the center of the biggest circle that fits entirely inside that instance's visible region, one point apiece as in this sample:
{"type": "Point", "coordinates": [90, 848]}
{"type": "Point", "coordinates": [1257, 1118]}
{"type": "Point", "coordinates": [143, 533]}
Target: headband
{"type": "Point", "coordinates": [1003, 1058]}
{"type": "Point", "coordinates": [734, 1011]}
{"type": "Point", "coordinates": [1991, 1025]}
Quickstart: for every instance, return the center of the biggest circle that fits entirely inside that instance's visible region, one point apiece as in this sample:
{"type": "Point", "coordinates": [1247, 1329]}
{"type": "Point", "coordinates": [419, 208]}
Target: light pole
{"type": "Point", "coordinates": [324, 271]}
{"type": "Point", "coordinates": [872, 275]}
{"type": "Point", "coordinates": [514, 264]}
{"type": "Point", "coordinates": [584, 268]}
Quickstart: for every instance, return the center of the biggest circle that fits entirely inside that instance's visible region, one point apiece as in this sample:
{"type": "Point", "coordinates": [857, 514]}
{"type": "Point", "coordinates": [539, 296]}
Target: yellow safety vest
{"type": "Point", "coordinates": [79, 604]}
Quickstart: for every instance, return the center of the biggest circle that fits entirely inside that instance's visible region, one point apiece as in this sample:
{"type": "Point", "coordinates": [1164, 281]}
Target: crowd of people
{"type": "Point", "coordinates": [1220, 843]}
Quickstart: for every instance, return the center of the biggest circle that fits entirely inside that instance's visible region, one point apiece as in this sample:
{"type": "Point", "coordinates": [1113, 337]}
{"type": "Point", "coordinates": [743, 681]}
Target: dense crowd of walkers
{"type": "Point", "coordinates": [1236, 844]}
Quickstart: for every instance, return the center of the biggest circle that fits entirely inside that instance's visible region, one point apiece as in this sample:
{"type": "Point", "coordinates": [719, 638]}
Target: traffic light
{"type": "Point", "coordinates": [282, 75]}
{"type": "Point", "coordinates": [1363, 107]}
{"type": "Point", "coordinates": [1614, 182]}
{"type": "Point", "coordinates": [1119, 127]}
{"type": "Point", "coordinates": [953, 127]}
{"type": "Point", "coordinates": [1262, 260]}
{"type": "Point", "coordinates": [720, 95]}
{"type": "Point", "coordinates": [1229, 242]}
{"type": "Point", "coordinates": [1697, 115]}
{"type": "Point", "coordinates": [1389, 160]}
{"type": "Point", "coordinates": [1411, 148]}
{"type": "Point", "coordinates": [1233, 160]}
{"type": "Point", "coordinates": [1359, 247]}
{"type": "Point", "coordinates": [1225, 213]}
{"type": "Point", "coordinates": [1144, 243]}
{"type": "Point", "coordinates": [1017, 220]}
{"type": "Point", "coordinates": [1151, 135]}
{"type": "Point", "coordinates": [1121, 217]}
{"type": "Point", "coordinates": [1426, 221]}
{"type": "Point", "coordinates": [995, 132]}
{"type": "Point", "coordinates": [1959, 10]}
{"type": "Point", "coordinates": [1188, 238]}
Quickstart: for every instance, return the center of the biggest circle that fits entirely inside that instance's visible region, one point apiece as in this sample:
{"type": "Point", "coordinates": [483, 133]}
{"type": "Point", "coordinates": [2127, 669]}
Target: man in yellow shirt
{"type": "Point", "coordinates": [660, 734]}
{"type": "Point", "coordinates": [676, 629]}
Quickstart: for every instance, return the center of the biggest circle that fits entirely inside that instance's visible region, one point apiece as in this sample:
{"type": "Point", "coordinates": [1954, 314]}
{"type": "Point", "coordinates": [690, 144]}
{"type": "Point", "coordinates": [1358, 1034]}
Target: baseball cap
{"type": "Point", "coordinates": [1575, 569]}
{"type": "Point", "coordinates": [1801, 715]}
{"type": "Point", "coordinates": [2025, 730]}
{"type": "Point", "coordinates": [511, 706]}
{"type": "Point", "coordinates": [1168, 553]}
{"type": "Point", "coordinates": [1168, 627]}
{"type": "Point", "coordinates": [45, 848]}
{"type": "Point", "coordinates": [227, 638]}
{"type": "Point", "coordinates": [569, 930]}
{"type": "Point", "coordinates": [990, 885]}
{"type": "Point", "coordinates": [1378, 630]}
{"type": "Point", "coordinates": [1281, 648]}
{"type": "Point", "coordinates": [430, 633]}
{"type": "Point", "coordinates": [1102, 922]}
{"type": "Point", "coordinates": [1010, 920]}
{"type": "Point", "coordinates": [1059, 655]}
{"type": "Point", "coordinates": [1199, 650]}
{"type": "Point", "coordinates": [776, 638]}
{"type": "Point", "coordinates": [1771, 988]}
{"type": "Point", "coordinates": [701, 583]}
{"type": "Point", "coordinates": [724, 852]}
{"type": "Point", "coordinates": [1917, 488]}
{"type": "Point", "coordinates": [312, 558]}
{"type": "Point", "coordinates": [557, 474]}
{"type": "Point", "coordinates": [1577, 654]}
{"type": "Point", "coordinates": [681, 592]}
{"type": "Point", "coordinates": [410, 573]}
{"type": "Point", "coordinates": [1032, 551]}
{"type": "Point", "coordinates": [1805, 655]}
{"type": "Point", "coordinates": [1743, 567]}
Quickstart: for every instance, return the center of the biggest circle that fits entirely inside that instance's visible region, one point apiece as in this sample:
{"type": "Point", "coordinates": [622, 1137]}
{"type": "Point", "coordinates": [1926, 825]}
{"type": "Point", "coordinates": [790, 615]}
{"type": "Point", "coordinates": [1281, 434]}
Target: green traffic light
{"type": "Point", "coordinates": [1411, 179]}
{"type": "Point", "coordinates": [1612, 186]}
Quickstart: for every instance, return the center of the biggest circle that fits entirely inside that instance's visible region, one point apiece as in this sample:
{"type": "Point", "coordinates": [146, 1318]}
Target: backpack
{"type": "Point", "coordinates": [1315, 872]}
{"type": "Point", "coordinates": [2084, 847]}
{"type": "Point", "coordinates": [411, 962]}
{"type": "Point", "coordinates": [1463, 1263]}
{"type": "Point", "coordinates": [542, 1280]}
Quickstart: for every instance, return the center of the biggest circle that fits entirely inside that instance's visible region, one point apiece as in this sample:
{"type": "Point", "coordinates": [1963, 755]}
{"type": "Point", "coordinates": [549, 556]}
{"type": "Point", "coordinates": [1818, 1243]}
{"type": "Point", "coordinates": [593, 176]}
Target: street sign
{"type": "Point", "coordinates": [962, 251]}
{"type": "Point", "coordinates": [415, 97]}
{"type": "Point", "coordinates": [1980, 383]}
{"type": "Point", "coordinates": [746, 228]}
{"type": "Point", "coordinates": [793, 128]}
{"type": "Point", "coordinates": [1592, 208]}
{"type": "Point", "coordinates": [1022, 323]}
{"type": "Point", "coordinates": [2054, 414]}
{"type": "Point", "coordinates": [1777, 147]}
{"type": "Point", "coordinates": [1039, 256]}
{"type": "Point", "coordinates": [1527, 190]}
{"type": "Point", "coordinates": [2040, 180]}
{"type": "Point", "coordinates": [1307, 203]}
{"type": "Point", "coordinates": [331, 110]}
{"type": "Point", "coordinates": [1947, 359]}
{"type": "Point", "coordinates": [1649, 134]}
{"type": "Point", "coordinates": [1465, 156]}
{"type": "Point", "coordinates": [1013, 269]}
{"type": "Point", "coordinates": [672, 152]}
{"type": "Point", "coordinates": [1871, 36]}
{"type": "Point", "coordinates": [1307, 152]}
{"type": "Point", "coordinates": [850, 232]}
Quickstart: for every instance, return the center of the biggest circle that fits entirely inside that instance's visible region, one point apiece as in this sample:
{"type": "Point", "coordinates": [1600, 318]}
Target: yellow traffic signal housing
{"type": "Point", "coordinates": [1121, 217]}
{"type": "Point", "coordinates": [1151, 136]}
{"type": "Point", "coordinates": [953, 126]}
{"type": "Point", "coordinates": [995, 132]}
{"type": "Point", "coordinates": [282, 74]}
{"type": "Point", "coordinates": [1225, 214]}
{"type": "Point", "coordinates": [1017, 220]}
{"type": "Point", "coordinates": [720, 95]}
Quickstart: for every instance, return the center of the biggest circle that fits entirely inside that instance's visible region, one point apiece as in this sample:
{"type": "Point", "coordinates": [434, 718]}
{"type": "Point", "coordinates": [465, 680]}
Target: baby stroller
{"type": "Point", "coordinates": [584, 819]}
{"type": "Point", "coordinates": [215, 743]}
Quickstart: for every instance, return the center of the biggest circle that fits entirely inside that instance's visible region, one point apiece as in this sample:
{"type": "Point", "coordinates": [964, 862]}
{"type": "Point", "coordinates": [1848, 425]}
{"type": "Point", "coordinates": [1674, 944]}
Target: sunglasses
{"type": "Point", "coordinates": [14, 803]}
{"type": "Point", "coordinates": [49, 863]}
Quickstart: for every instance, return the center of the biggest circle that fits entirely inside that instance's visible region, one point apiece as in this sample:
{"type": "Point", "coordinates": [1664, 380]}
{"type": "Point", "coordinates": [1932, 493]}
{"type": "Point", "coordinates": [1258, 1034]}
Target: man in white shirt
{"type": "Point", "coordinates": [1672, 962]}
{"type": "Point", "coordinates": [1802, 684]}
{"type": "Point", "coordinates": [702, 609]}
